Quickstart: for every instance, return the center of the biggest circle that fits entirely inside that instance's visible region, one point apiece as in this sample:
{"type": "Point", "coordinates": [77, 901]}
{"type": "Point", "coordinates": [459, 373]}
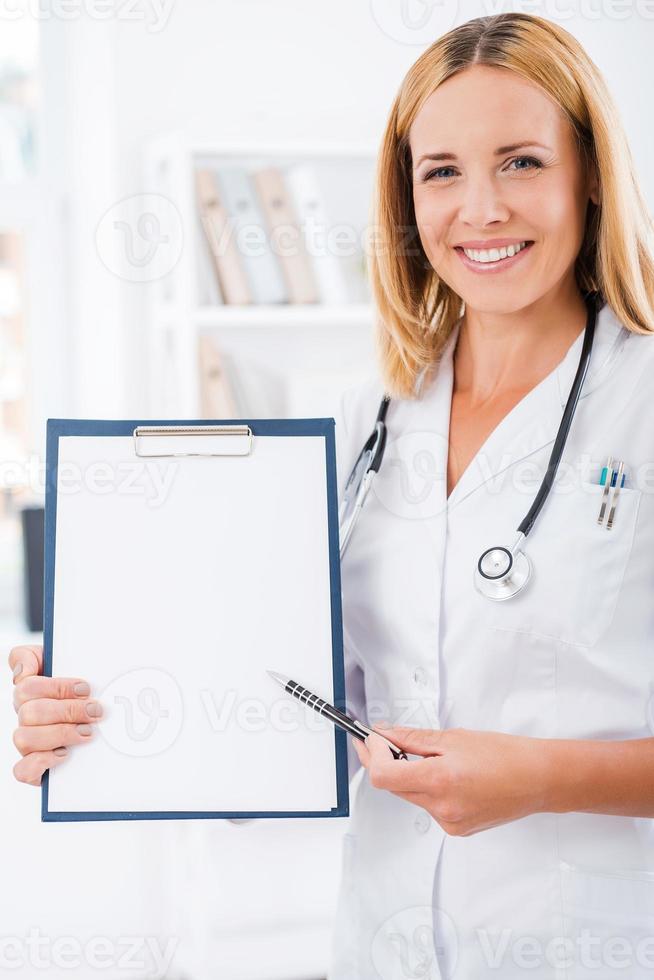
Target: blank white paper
{"type": "Point", "coordinates": [178, 582]}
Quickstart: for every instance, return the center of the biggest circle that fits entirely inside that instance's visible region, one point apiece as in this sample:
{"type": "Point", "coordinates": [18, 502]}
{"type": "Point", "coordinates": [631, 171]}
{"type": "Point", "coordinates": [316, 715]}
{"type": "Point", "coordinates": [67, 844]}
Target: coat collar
{"type": "Point", "coordinates": [532, 424]}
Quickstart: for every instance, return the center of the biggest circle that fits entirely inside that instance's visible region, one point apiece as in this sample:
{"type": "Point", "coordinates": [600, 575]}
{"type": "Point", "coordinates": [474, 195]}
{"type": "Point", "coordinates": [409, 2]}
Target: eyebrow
{"type": "Point", "coordinates": [447, 155]}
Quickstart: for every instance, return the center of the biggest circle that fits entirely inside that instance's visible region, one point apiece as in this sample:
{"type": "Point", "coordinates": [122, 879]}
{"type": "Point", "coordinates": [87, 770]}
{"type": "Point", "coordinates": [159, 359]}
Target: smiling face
{"type": "Point", "coordinates": [485, 193]}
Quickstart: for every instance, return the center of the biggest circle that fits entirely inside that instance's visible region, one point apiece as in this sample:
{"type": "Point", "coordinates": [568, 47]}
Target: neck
{"type": "Point", "coordinates": [498, 353]}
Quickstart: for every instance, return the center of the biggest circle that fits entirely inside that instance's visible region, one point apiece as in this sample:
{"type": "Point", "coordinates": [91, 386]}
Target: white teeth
{"type": "Point", "coordinates": [493, 254]}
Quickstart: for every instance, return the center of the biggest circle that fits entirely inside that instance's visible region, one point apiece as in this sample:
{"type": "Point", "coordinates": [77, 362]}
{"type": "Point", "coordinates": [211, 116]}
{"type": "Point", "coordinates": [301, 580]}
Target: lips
{"type": "Point", "coordinates": [491, 253]}
{"type": "Point", "coordinates": [499, 265]}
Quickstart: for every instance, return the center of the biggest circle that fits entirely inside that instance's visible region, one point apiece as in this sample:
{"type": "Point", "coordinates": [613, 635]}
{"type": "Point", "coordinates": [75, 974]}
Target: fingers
{"type": "Point", "coordinates": [417, 741]}
{"type": "Point", "coordinates": [49, 711]}
{"type": "Point", "coordinates": [43, 738]}
{"type": "Point", "coordinates": [25, 661]}
{"type": "Point", "coordinates": [30, 769]}
{"type": "Point", "coordinates": [53, 713]}
{"type": "Point", "coordinates": [397, 775]}
{"type": "Point", "coordinates": [33, 687]}
{"type": "Point", "coordinates": [361, 750]}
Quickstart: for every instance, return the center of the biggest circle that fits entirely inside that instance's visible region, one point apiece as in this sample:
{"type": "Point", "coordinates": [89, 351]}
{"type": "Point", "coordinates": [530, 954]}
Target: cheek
{"type": "Point", "coordinates": [433, 224]}
{"type": "Point", "coordinates": [557, 215]}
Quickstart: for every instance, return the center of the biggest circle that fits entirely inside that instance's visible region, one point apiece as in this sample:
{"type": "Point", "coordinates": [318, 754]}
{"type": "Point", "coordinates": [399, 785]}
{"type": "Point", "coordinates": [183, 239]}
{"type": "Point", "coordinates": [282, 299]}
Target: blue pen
{"type": "Point", "coordinates": [613, 479]}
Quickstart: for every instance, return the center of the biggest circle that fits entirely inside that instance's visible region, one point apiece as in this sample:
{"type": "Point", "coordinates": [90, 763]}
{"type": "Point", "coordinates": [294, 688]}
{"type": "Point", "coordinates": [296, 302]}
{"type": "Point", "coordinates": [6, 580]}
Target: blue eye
{"type": "Point", "coordinates": [432, 173]}
{"type": "Point", "coordinates": [438, 172]}
{"type": "Point", "coordinates": [531, 160]}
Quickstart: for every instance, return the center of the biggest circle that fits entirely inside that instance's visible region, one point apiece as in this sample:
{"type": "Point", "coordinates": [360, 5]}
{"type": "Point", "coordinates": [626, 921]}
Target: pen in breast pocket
{"type": "Point", "coordinates": [605, 470]}
{"type": "Point", "coordinates": [339, 718]}
{"type": "Point", "coordinates": [612, 480]}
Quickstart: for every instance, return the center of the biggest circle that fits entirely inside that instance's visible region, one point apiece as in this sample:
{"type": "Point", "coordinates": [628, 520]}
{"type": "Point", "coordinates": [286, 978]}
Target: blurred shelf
{"type": "Point", "coordinates": [295, 339]}
{"type": "Point", "coordinates": [283, 149]}
{"type": "Point", "coordinates": [299, 315]}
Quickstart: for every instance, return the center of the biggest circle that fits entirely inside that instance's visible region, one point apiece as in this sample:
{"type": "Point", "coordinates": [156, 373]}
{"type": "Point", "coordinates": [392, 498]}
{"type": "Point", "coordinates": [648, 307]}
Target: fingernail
{"type": "Point", "coordinates": [62, 750]}
{"type": "Point", "coordinates": [82, 689]}
{"type": "Point", "coordinates": [85, 729]}
{"type": "Point", "coordinates": [94, 709]}
{"type": "Point", "coordinates": [18, 669]}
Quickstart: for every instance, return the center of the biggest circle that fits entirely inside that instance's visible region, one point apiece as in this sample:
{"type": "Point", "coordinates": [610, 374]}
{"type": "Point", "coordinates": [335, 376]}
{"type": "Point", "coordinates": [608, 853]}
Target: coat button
{"type": "Point", "coordinates": [422, 822]}
{"type": "Point", "coordinates": [420, 676]}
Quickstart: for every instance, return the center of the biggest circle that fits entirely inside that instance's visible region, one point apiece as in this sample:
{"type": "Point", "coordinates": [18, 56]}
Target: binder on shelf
{"type": "Point", "coordinates": [285, 231]}
{"type": "Point", "coordinates": [208, 283]}
{"type": "Point", "coordinates": [216, 391]}
{"type": "Point", "coordinates": [182, 560]}
{"type": "Point", "coordinates": [261, 265]}
{"type": "Point", "coordinates": [230, 273]}
{"type": "Point", "coordinates": [328, 269]}
{"type": "Point", "coordinates": [259, 390]}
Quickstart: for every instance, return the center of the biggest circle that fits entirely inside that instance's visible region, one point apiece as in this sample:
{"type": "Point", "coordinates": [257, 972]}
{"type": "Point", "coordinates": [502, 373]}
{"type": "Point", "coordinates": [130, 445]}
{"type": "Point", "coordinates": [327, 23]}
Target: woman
{"type": "Point", "coordinates": [522, 842]}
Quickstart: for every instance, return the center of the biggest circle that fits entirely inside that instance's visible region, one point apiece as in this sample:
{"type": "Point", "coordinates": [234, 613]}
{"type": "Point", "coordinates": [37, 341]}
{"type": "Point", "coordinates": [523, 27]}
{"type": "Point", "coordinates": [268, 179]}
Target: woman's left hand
{"type": "Point", "coordinates": [467, 780]}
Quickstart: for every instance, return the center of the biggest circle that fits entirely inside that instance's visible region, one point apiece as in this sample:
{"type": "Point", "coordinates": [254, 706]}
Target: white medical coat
{"type": "Point", "coordinates": [556, 896]}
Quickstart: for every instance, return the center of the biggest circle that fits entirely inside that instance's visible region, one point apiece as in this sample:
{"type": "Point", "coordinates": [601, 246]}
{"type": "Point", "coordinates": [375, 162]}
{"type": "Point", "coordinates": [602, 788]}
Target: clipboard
{"type": "Point", "coordinates": [183, 559]}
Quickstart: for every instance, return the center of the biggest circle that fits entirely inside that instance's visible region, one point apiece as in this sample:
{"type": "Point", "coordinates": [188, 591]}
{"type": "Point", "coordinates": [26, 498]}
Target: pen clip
{"type": "Point", "coordinates": [614, 498]}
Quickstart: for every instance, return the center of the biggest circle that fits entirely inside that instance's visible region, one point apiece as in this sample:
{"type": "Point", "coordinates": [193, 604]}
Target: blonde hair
{"type": "Point", "coordinates": [416, 310]}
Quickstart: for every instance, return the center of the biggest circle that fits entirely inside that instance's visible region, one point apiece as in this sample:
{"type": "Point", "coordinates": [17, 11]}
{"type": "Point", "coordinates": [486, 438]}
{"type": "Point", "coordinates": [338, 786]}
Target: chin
{"type": "Point", "coordinates": [499, 306]}
{"type": "Point", "coordinates": [488, 298]}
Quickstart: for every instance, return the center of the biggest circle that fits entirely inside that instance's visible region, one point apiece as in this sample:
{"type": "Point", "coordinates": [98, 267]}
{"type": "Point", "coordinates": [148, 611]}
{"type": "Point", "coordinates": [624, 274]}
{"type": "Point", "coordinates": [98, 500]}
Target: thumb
{"type": "Point", "coordinates": [418, 741]}
{"type": "Point", "coordinates": [25, 661]}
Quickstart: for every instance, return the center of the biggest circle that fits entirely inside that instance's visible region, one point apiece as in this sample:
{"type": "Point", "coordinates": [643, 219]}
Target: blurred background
{"type": "Point", "coordinates": [141, 142]}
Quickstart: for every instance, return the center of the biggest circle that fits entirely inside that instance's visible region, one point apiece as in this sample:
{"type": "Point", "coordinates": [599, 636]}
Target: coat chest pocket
{"type": "Point", "coordinates": [577, 567]}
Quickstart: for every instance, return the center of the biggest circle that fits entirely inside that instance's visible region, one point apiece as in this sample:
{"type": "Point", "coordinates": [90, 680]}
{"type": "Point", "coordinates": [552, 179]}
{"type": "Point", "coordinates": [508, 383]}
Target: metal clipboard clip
{"type": "Point", "coordinates": [184, 440]}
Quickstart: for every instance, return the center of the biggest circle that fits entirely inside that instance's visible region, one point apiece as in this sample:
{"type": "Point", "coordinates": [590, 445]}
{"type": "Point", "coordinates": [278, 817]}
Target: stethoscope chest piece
{"type": "Point", "coordinates": [502, 574]}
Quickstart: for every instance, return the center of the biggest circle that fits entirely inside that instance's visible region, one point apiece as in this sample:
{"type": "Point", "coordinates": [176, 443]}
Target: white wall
{"type": "Point", "coordinates": [235, 69]}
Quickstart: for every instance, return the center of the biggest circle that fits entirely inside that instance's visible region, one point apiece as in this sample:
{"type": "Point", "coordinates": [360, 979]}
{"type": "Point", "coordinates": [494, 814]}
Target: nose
{"type": "Point", "coordinates": [482, 203]}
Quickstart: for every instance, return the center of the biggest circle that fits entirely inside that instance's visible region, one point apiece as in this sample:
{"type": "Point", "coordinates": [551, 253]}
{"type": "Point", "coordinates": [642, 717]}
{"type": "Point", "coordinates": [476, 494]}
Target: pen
{"type": "Point", "coordinates": [339, 718]}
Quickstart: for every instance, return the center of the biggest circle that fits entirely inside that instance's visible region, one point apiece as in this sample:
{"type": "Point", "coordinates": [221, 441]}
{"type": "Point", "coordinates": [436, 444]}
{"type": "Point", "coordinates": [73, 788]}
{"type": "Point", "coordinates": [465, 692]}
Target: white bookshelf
{"type": "Point", "coordinates": [314, 350]}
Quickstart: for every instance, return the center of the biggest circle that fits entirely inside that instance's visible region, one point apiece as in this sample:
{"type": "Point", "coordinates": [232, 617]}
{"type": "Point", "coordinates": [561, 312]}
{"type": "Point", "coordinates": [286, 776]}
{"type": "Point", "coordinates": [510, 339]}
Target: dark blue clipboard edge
{"type": "Point", "coordinates": [260, 427]}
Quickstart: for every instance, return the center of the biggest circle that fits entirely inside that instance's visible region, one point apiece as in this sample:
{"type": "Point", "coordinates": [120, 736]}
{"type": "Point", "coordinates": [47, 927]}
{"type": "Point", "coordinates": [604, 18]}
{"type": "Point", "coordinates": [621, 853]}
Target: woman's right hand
{"type": "Point", "coordinates": [53, 714]}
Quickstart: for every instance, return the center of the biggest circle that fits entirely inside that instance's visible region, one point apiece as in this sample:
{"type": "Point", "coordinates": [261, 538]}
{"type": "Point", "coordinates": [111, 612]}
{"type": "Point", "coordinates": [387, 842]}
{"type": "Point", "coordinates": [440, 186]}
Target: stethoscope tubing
{"type": "Point", "coordinates": [568, 414]}
{"type": "Point", "coordinates": [497, 586]}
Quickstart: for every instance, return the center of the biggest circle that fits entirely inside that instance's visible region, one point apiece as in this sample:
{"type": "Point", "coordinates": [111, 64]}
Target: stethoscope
{"type": "Point", "coordinates": [501, 573]}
